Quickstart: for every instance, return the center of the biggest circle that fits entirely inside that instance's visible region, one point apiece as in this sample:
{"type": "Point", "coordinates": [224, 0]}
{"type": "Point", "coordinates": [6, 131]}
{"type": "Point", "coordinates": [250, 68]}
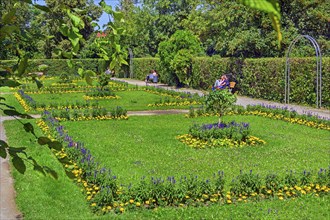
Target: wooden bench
{"type": "Point", "coordinates": [232, 87]}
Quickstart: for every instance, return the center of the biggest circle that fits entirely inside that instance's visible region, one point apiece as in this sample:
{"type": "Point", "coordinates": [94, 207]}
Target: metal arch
{"type": "Point", "coordinates": [318, 70]}
{"type": "Point", "coordinates": [131, 75]}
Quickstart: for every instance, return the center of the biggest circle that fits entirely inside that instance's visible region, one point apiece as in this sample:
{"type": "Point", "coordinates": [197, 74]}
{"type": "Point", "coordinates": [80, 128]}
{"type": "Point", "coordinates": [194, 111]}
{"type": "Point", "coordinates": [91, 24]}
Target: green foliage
{"type": "Point", "coordinates": [246, 183]}
{"type": "Point", "coordinates": [143, 66]}
{"type": "Point", "coordinates": [264, 78]}
{"type": "Point", "coordinates": [272, 7]}
{"type": "Point", "coordinates": [100, 92]}
{"type": "Point", "coordinates": [175, 57]}
{"type": "Point", "coordinates": [231, 130]}
{"type": "Point", "coordinates": [220, 101]}
{"type": "Point", "coordinates": [110, 47]}
{"type": "Point", "coordinates": [58, 67]}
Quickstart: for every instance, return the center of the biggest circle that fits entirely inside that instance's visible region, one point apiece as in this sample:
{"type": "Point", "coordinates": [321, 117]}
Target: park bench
{"type": "Point", "coordinates": [231, 87]}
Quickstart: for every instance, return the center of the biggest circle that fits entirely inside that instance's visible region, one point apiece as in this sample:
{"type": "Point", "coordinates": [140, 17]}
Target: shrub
{"type": "Point", "coordinates": [175, 57]}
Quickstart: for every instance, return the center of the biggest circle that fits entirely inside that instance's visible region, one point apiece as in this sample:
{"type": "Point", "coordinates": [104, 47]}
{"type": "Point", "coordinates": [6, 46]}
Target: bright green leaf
{"type": "Point", "coordinates": [64, 29]}
{"type": "Point", "coordinates": [80, 71]}
{"type": "Point", "coordinates": [106, 8]}
{"type": "Point", "coordinates": [74, 18]}
{"type": "Point", "coordinates": [69, 63]}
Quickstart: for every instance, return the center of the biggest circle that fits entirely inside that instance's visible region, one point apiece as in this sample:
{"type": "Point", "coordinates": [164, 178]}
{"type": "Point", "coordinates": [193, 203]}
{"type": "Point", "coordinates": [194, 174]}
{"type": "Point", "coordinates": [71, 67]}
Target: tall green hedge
{"type": "Point", "coordinates": [265, 78]}
{"type": "Point", "coordinates": [143, 66]}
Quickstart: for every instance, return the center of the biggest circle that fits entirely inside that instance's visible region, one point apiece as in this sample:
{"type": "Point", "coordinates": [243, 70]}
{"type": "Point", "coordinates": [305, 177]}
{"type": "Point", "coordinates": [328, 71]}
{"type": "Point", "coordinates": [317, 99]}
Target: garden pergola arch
{"type": "Point", "coordinates": [318, 56]}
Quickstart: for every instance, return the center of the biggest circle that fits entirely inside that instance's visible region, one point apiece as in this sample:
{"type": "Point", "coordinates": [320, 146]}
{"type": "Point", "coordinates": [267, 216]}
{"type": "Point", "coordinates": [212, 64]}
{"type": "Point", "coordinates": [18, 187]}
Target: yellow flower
{"type": "Point", "coordinates": [138, 204]}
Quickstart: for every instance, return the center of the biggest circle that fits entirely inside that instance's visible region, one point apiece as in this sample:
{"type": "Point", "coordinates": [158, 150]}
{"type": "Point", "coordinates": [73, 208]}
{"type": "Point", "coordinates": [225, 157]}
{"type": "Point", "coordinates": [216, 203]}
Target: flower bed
{"type": "Point", "coordinates": [71, 88]}
{"type": "Point", "coordinates": [104, 193]}
{"type": "Point", "coordinates": [29, 103]}
{"type": "Point", "coordinates": [90, 114]}
{"type": "Point", "coordinates": [167, 102]}
{"type": "Point", "coordinates": [272, 112]}
{"type": "Point", "coordinates": [220, 135]}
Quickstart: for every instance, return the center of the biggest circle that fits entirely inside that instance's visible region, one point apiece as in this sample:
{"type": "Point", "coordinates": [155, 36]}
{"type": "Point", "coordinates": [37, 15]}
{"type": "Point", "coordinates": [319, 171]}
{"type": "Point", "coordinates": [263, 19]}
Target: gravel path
{"type": "Point", "coordinates": [241, 100]}
{"type": "Point", "coordinates": [8, 208]}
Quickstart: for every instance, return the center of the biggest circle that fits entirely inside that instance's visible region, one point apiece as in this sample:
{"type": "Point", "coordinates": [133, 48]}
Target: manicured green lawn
{"type": "Point", "coordinates": [42, 197]}
{"type": "Point", "coordinates": [130, 100]}
{"type": "Point", "coordinates": [301, 208]}
{"type": "Point", "coordinates": [11, 101]}
{"type": "Point", "coordinates": [146, 146]}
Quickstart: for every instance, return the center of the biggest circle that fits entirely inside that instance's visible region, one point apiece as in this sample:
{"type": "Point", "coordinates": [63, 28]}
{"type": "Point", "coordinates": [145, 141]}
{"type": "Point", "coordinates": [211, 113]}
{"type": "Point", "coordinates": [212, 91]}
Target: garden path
{"type": "Point", "coordinates": [241, 100]}
{"type": "Point", "coordinates": [8, 209]}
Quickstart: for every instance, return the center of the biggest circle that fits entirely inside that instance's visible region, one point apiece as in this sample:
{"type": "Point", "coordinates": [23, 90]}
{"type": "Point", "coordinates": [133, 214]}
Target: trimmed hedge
{"type": "Point", "coordinates": [264, 78]}
{"type": "Point", "coordinates": [143, 66]}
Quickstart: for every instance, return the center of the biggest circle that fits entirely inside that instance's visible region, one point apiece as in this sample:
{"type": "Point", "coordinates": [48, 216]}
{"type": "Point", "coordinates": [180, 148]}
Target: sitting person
{"type": "Point", "coordinates": [154, 76]}
{"type": "Point", "coordinates": [221, 83]}
{"type": "Point", "coordinates": [150, 76]}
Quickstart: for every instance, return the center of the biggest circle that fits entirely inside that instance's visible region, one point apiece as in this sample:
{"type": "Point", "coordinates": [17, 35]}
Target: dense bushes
{"type": "Point", "coordinates": [143, 66]}
{"type": "Point", "coordinates": [264, 78]}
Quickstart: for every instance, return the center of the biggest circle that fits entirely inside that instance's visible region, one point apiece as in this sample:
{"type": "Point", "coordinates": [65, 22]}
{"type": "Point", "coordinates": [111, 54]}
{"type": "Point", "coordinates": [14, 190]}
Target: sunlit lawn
{"type": "Point", "coordinates": [146, 146]}
{"type": "Point", "coordinates": [130, 100]}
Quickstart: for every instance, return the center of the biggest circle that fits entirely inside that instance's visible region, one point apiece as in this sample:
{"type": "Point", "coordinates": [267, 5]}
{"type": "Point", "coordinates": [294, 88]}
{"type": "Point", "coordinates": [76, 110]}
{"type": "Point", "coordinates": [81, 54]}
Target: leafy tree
{"type": "Point", "coordinates": [175, 57]}
{"type": "Point", "coordinates": [242, 28]}
{"type": "Point", "coordinates": [271, 7]}
{"type": "Point", "coordinates": [220, 101]}
{"type": "Point", "coordinates": [9, 31]}
{"type": "Point", "coordinates": [110, 46]}
{"type": "Point", "coordinates": [10, 76]}
{"type": "Point", "coordinates": [86, 10]}
{"type": "Point", "coordinates": [155, 21]}
{"type": "Point", "coordinates": [26, 37]}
